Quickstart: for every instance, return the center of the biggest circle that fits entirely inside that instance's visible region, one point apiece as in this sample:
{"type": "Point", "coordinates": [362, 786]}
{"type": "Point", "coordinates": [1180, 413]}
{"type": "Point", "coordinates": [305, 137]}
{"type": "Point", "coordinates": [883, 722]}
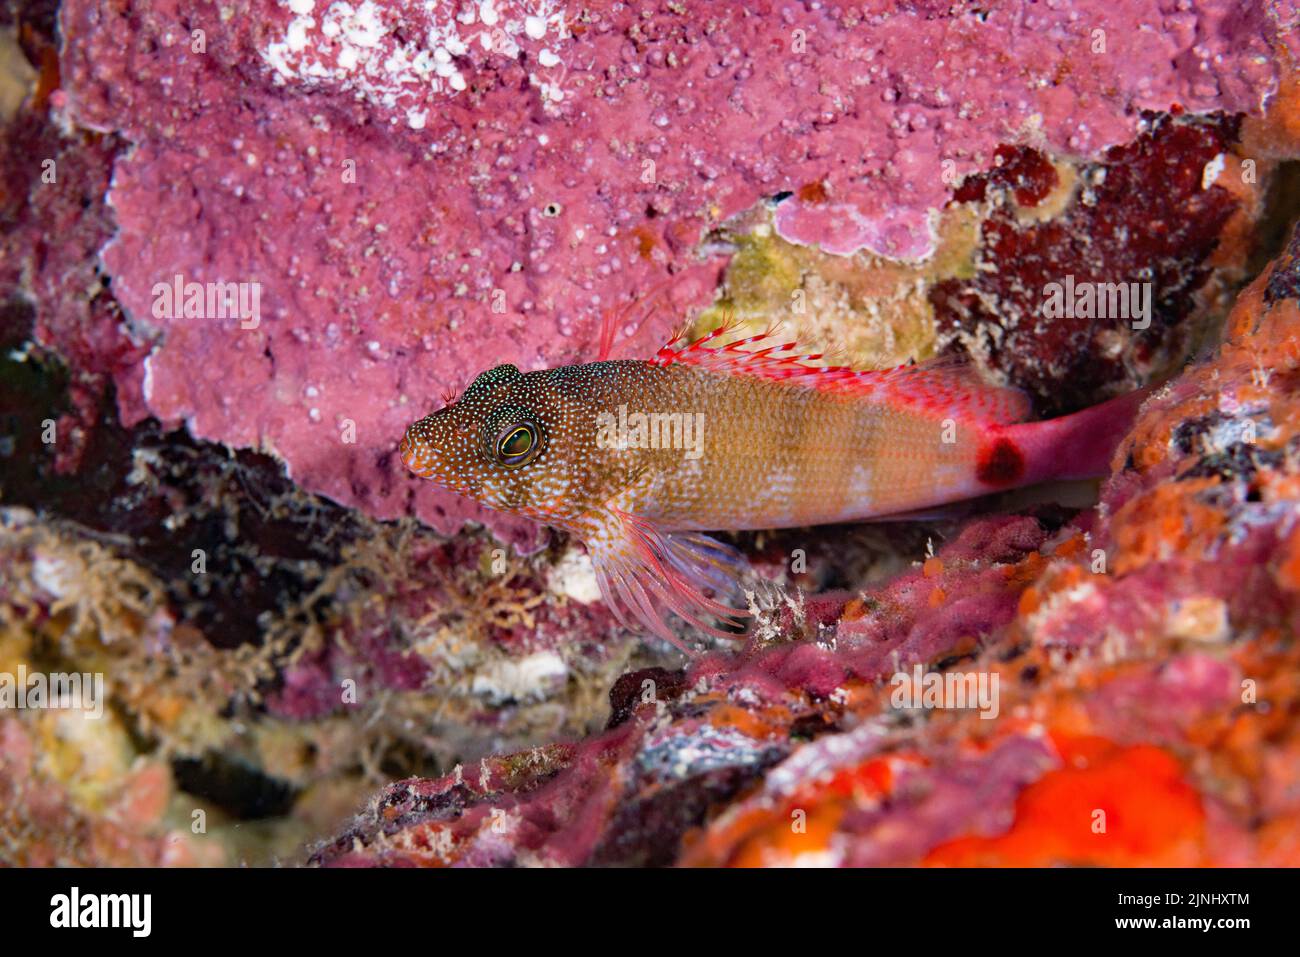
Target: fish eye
{"type": "Point", "coordinates": [518, 443]}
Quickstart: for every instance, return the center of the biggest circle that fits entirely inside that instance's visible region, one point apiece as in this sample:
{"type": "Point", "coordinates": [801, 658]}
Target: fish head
{"type": "Point", "coordinates": [517, 442]}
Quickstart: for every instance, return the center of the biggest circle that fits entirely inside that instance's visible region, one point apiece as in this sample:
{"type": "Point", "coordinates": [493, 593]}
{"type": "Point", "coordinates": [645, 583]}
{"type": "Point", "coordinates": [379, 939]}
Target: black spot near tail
{"type": "Point", "coordinates": [1000, 463]}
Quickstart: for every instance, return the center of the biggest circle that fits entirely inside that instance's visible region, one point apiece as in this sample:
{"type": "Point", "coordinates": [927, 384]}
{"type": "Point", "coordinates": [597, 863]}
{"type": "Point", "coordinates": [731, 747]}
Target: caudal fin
{"type": "Point", "coordinates": [1077, 446]}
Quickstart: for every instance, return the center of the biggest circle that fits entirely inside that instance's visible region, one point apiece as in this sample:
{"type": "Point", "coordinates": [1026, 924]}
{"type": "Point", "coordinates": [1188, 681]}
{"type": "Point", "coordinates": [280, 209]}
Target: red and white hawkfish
{"type": "Point", "coordinates": [639, 457]}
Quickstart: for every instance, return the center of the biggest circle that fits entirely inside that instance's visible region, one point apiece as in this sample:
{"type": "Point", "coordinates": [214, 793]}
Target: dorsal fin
{"type": "Point", "coordinates": [953, 384]}
{"type": "Point", "coordinates": [615, 316]}
{"type": "Point", "coordinates": [945, 385]}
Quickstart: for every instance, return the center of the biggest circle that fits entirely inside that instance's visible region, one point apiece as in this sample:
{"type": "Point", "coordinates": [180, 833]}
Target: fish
{"type": "Point", "coordinates": [640, 458]}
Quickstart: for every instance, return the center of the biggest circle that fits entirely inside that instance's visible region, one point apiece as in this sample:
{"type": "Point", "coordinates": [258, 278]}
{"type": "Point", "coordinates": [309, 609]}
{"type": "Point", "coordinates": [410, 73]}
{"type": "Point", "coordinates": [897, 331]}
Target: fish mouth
{"type": "Point", "coordinates": [413, 459]}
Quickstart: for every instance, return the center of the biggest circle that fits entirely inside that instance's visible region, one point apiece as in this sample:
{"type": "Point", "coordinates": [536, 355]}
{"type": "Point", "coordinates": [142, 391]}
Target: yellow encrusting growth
{"type": "Point", "coordinates": [863, 310]}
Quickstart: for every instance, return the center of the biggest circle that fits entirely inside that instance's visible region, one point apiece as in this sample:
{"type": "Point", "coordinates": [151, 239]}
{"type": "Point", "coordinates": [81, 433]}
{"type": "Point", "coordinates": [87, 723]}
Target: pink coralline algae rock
{"type": "Point", "coordinates": [422, 190]}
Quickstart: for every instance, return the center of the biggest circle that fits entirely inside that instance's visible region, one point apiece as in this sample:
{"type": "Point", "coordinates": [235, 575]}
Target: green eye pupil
{"type": "Point", "coordinates": [517, 443]}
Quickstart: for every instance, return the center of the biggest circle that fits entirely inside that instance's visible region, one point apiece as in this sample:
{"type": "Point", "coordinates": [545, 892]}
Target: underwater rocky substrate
{"type": "Point", "coordinates": [316, 681]}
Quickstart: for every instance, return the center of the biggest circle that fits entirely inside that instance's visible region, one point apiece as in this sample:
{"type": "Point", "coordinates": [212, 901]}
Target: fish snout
{"type": "Point", "coordinates": [414, 456]}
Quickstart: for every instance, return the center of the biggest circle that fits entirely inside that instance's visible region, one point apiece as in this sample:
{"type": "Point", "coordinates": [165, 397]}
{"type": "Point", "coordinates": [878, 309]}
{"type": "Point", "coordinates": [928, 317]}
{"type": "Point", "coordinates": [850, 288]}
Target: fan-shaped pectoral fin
{"type": "Point", "coordinates": [645, 574]}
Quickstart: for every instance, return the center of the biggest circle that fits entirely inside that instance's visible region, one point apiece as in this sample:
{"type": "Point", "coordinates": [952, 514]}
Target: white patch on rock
{"type": "Point", "coordinates": [1212, 170]}
{"type": "Point", "coordinates": [528, 679]}
{"type": "Point", "coordinates": [575, 577]}
{"type": "Point", "coordinates": [356, 47]}
{"type": "Point", "coordinates": [54, 575]}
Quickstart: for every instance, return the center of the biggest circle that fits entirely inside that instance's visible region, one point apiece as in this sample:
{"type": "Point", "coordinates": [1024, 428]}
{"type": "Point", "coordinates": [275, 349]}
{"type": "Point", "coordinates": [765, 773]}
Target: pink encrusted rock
{"type": "Point", "coordinates": [423, 190]}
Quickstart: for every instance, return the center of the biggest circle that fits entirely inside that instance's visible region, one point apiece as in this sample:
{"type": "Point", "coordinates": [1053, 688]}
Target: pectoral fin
{"type": "Point", "coordinates": [644, 574]}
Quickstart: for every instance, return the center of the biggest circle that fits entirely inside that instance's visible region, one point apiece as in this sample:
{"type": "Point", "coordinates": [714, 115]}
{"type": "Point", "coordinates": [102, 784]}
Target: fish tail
{"type": "Point", "coordinates": [1077, 446]}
